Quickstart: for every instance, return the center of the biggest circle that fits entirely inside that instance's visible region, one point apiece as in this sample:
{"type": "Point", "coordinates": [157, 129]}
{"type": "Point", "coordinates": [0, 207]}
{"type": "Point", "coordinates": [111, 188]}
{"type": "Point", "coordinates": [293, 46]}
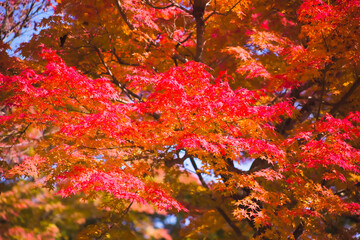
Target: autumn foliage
{"type": "Point", "coordinates": [240, 119]}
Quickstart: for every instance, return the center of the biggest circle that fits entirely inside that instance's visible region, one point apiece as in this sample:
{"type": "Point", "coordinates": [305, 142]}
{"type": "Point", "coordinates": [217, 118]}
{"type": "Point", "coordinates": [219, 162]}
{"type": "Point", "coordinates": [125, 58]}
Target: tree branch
{"type": "Point", "coordinates": [198, 13]}
{"type": "Point", "coordinates": [346, 96]}
{"type": "Point", "coordinates": [120, 61]}
{"type": "Point", "coordinates": [180, 7]}
{"type": "Point", "coordinates": [6, 16]}
{"type": "Point", "coordinates": [123, 15]}
{"type": "Point", "coordinates": [18, 27]}
{"type": "Point", "coordinates": [298, 231]}
{"type": "Point", "coordinates": [131, 95]}
{"type": "Point", "coordinates": [294, 95]}
{"type": "Point", "coordinates": [157, 7]}
{"type": "Point", "coordinates": [219, 209]}
{"type": "Point", "coordinates": [180, 43]}
{"type": "Point", "coordinates": [322, 94]}
{"type": "Point", "coordinates": [219, 13]}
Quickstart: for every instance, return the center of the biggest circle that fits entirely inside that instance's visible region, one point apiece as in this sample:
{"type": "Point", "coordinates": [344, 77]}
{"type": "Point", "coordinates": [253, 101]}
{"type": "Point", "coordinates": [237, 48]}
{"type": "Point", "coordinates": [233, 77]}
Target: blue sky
{"type": "Point", "coordinates": [28, 33]}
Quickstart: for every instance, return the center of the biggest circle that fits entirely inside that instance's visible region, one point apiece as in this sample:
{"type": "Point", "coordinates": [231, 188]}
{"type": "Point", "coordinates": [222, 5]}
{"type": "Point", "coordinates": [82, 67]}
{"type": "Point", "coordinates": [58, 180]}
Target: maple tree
{"type": "Point", "coordinates": [168, 101]}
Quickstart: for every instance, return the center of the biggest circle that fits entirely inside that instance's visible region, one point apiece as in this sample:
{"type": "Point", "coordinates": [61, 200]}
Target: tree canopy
{"type": "Point", "coordinates": [171, 119]}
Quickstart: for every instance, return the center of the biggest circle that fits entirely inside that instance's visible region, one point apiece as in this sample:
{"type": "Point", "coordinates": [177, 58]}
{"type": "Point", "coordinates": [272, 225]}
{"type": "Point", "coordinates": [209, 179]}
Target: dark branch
{"type": "Point", "coordinates": [288, 123]}
{"type": "Point", "coordinates": [123, 15]}
{"type": "Point", "coordinates": [131, 95]}
{"type": "Point", "coordinates": [298, 231]}
{"type": "Point", "coordinates": [158, 7]}
{"type": "Point", "coordinates": [120, 61]}
{"type": "Point", "coordinates": [172, 4]}
{"type": "Point", "coordinates": [198, 13]}
{"type": "Point", "coordinates": [219, 209]}
{"type": "Point", "coordinates": [346, 96]}
{"type": "Point", "coordinates": [219, 13]}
